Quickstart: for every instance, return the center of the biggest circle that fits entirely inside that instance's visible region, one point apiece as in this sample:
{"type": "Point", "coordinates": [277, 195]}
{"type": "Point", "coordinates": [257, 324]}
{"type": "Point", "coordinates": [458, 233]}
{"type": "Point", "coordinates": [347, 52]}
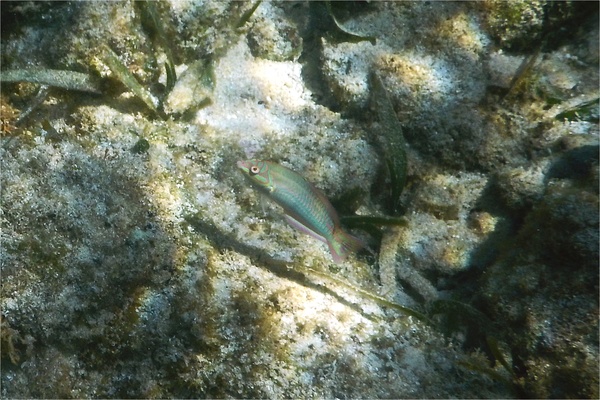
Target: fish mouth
{"type": "Point", "coordinates": [244, 166]}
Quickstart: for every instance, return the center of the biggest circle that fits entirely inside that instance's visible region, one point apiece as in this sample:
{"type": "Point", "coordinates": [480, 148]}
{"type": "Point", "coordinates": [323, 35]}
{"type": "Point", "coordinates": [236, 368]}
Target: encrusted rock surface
{"type": "Point", "coordinates": [136, 261]}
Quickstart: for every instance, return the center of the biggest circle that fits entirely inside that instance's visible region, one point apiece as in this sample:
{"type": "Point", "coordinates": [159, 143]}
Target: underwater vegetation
{"type": "Point", "coordinates": [459, 141]}
{"type": "Point", "coordinates": [69, 80]}
{"type": "Point", "coordinates": [391, 141]}
{"type": "Point", "coordinates": [108, 63]}
{"type": "Point", "coordinates": [342, 33]}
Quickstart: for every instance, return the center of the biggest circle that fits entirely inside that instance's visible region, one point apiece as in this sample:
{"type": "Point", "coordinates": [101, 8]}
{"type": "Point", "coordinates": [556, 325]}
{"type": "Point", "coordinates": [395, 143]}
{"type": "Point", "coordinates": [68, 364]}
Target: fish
{"type": "Point", "coordinates": [305, 207]}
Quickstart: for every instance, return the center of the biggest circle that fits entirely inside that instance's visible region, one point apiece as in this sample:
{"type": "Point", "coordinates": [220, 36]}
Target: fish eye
{"type": "Point", "coordinates": [254, 170]}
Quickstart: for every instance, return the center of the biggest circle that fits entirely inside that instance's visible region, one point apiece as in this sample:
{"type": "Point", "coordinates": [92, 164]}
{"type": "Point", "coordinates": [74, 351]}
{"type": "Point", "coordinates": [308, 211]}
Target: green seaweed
{"type": "Point", "coordinates": [206, 83]}
{"type": "Point", "coordinates": [390, 139]}
{"type": "Point", "coordinates": [458, 314]}
{"type": "Point", "coordinates": [8, 339]}
{"type": "Point", "coordinates": [366, 294]}
{"type": "Point", "coordinates": [194, 88]}
{"type": "Point", "coordinates": [39, 98]}
{"type": "Point", "coordinates": [372, 224]}
{"type": "Point", "coordinates": [346, 35]}
{"type": "Point", "coordinates": [140, 147]}
{"type": "Point", "coordinates": [523, 72]}
{"type": "Point", "coordinates": [152, 21]}
{"type": "Point", "coordinates": [585, 111]}
{"type": "Point", "coordinates": [293, 272]}
{"type": "Point", "coordinates": [495, 349]}
{"type": "Point", "coordinates": [486, 370]}
{"type": "Point", "coordinates": [171, 76]}
{"type": "Point", "coordinates": [246, 16]}
{"type": "Point", "coordinates": [123, 75]}
{"type": "Point", "coordinates": [349, 201]}
{"type": "Point", "coordinates": [481, 366]}
{"type": "Point", "coordinates": [52, 135]}
{"type": "Point", "coordinates": [63, 79]}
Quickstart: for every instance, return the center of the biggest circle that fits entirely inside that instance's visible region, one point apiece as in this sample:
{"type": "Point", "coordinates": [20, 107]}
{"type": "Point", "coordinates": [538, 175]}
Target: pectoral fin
{"type": "Point", "coordinates": [303, 228]}
{"type": "Point", "coordinates": [340, 246]}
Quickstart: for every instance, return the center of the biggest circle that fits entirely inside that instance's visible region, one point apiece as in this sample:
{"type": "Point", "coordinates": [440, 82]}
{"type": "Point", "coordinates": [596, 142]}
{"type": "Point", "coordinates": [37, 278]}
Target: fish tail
{"type": "Point", "coordinates": [343, 244]}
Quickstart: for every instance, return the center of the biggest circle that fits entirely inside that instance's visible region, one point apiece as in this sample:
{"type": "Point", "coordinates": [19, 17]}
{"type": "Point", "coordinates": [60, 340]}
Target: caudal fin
{"type": "Point", "coordinates": [342, 245]}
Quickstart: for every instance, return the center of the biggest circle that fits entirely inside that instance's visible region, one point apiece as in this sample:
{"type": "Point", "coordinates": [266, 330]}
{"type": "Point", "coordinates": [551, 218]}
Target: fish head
{"type": "Point", "coordinates": [258, 172]}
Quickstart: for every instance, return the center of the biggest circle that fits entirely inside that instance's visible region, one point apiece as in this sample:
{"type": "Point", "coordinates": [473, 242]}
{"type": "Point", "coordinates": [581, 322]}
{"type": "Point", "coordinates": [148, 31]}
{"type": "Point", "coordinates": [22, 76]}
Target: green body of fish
{"type": "Point", "coordinates": [306, 207]}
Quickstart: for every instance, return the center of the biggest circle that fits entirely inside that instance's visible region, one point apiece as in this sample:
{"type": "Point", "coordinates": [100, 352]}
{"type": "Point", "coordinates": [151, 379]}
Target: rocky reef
{"type": "Point", "coordinates": [458, 140]}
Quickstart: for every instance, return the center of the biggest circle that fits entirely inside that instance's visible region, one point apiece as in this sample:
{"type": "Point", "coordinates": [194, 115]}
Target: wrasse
{"type": "Point", "coordinates": [306, 207]}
